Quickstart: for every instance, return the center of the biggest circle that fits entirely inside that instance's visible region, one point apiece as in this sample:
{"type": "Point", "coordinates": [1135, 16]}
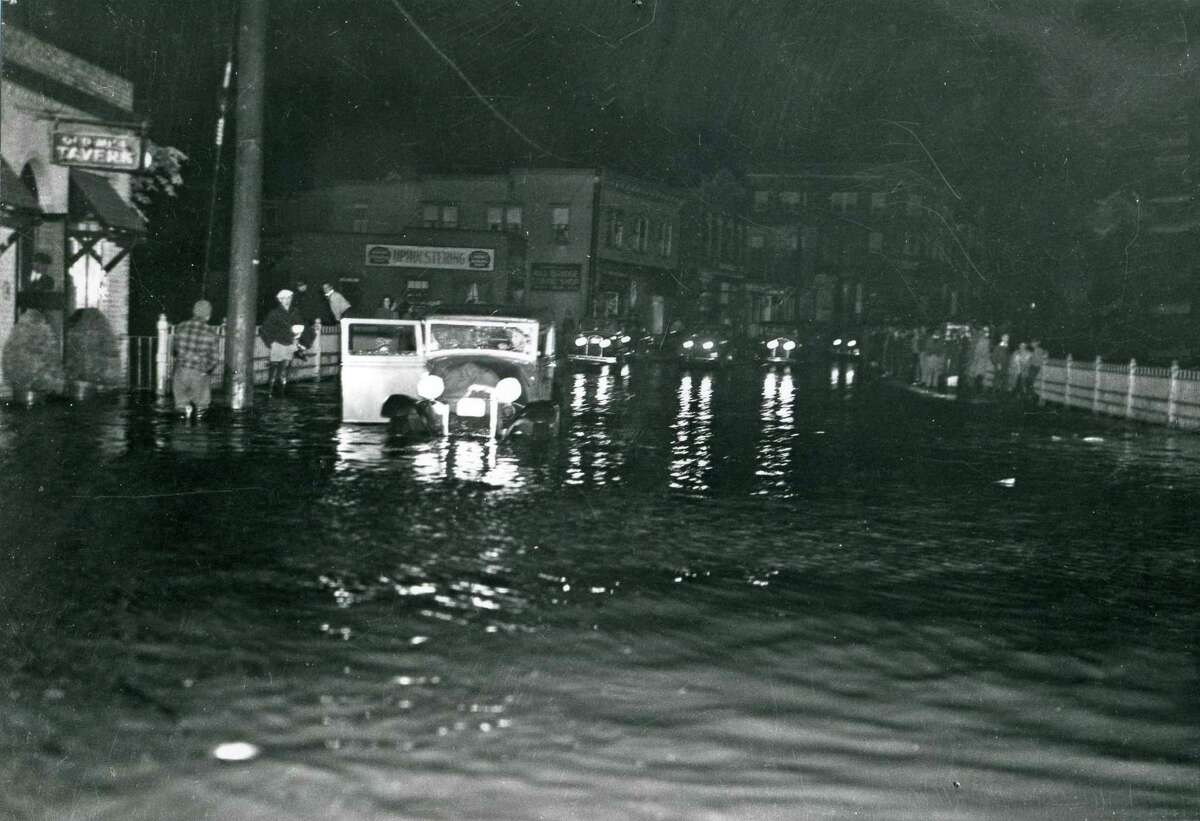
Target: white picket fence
{"type": "Point", "coordinates": [1157, 395]}
{"type": "Point", "coordinates": [151, 361]}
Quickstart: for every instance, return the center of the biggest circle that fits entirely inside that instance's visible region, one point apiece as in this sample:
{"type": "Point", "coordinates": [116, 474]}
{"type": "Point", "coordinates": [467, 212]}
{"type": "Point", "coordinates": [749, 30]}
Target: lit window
{"type": "Point", "coordinates": [360, 222]}
{"type": "Point", "coordinates": [513, 218]}
{"type": "Point", "coordinates": [418, 285]}
{"type": "Point", "coordinates": [449, 216]}
{"type": "Point", "coordinates": [430, 214]}
{"type": "Point", "coordinates": [560, 221]}
{"type": "Point", "coordinates": [495, 217]}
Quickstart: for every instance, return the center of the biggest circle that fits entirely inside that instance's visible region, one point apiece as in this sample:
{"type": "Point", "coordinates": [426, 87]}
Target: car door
{"type": "Point", "coordinates": [380, 358]}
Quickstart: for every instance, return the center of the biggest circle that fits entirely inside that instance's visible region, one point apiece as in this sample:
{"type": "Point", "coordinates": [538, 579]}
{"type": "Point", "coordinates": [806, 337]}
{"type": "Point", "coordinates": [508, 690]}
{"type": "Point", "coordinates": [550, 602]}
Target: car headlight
{"type": "Point", "coordinates": [507, 390]}
{"type": "Point", "coordinates": [625, 340]}
{"type": "Point", "coordinates": [604, 343]}
{"type": "Point", "coordinates": [789, 345]}
{"type": "Point", "coordinates": [430, 386]}
{"type": "Point", "coordinates": [851, 343]}
{"type": "Point", "coordinates": [773, 344]}
{"type": "Point", "coordinates": [837, 342]}
{"type": "Point", "coordinates": [689, 343]}
{"type": "Point", "coordinates": [580, 341]}
{"type": "Point", "coordinates": [707, 345]}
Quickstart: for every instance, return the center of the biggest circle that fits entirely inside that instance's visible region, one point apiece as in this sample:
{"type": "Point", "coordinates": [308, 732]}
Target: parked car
{"type": "Point", "coordinates": [602, 345]}
{"type": "Point", "coordinates": [713, 347]}
{"type": "Point", "coordinates": [453, 372]}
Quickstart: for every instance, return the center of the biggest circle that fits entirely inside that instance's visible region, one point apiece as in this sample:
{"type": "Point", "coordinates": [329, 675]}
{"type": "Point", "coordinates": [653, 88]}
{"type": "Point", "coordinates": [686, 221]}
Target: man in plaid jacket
{"type": "Point", "coordinates": [196, 357]}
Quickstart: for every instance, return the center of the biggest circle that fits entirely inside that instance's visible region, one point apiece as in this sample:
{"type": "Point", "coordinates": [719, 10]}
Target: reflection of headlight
{"type": "Point", "coordinates": [773, 344]}
{"type": "Point", "coordinates": [604, 343]}
{"type": "Point", "coordinates": [851, 343]}
{"type": "Point", "coordinates": [688, 344]}
{"type": "Point", "coordinates": [580, 341]}
{"type": "Point", "coordinates": [625, 340]}
{"type": "Point", "coordinates": [837, 342]}
{"type": "Point", "coordinates": [430, 386]}
{"type": "Point", "coordinates": [707, 345]}
{"type": "Point", "coordinates": [507, 390]}
{"type": "Point", "coordinates": [789, 345]}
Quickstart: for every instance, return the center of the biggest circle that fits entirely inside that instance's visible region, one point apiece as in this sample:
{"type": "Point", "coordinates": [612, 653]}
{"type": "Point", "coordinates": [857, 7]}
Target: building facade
{"type": "Point", "coordinates": [855, 246]}
{"type": "Point", "coordinates": [571, 244]}
{"type": "Point", "coordinates": [66, 224]}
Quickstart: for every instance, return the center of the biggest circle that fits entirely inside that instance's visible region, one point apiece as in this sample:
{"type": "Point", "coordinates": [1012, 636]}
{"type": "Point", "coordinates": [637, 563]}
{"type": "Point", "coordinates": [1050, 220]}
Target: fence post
{"type": "Point", "coordinates": [1096, 386]}
{"type": "Point", "coordinates": [162, 357]}
{"type": "Point", "coordinates": [316, 349]}
{"type": "Point", "coordinates": [1041, 385]}
{"type": "Point", "coordinates": [1067, 382]}
{"type": "Point", "coordinates": [1173, 395]}
{"type": "Point", "coordinates": [1131, 384]}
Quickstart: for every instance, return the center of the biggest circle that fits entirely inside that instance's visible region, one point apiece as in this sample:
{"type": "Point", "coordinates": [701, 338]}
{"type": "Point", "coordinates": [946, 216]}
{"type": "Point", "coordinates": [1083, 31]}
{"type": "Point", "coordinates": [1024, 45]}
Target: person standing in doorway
{"type": "Point", "coordinates": [338, 304]}
{"type": "Point", "coordinates": [196, 357]}
{"type": "Point", "coordinates": [386, 309]}
{"type": "Point", "coordinates": [278, 332]}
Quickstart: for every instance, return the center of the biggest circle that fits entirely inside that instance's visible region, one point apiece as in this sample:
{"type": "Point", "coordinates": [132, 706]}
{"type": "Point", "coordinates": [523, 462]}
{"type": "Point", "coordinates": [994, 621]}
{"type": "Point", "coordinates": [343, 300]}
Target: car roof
{"type": "Point", "coordinates": [479, 319]}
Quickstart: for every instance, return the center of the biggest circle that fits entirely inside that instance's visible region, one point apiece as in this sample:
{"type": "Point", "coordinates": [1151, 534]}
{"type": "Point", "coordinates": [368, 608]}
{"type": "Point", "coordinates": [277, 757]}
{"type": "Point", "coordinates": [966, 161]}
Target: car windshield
{"type": "Point", "coordinates": [382, 340]}
{"type": "Point", "coordinates": [449, 336]}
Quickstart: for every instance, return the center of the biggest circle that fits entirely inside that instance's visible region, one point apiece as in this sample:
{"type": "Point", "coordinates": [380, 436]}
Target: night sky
{"type": "Point", "coordinates": [1027, 114]}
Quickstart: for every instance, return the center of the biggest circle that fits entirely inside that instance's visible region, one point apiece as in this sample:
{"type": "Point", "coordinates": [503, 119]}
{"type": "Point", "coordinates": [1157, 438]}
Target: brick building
{"type": "Point", "coordinates": [67, 148]}
{"type": "Point", "coordinates": [856, 246]}
{"type": "Point", "coordinates": [572, 243]}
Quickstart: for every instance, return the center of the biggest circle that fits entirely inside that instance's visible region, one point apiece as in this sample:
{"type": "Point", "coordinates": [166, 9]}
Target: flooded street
{"type": "Point", "coordinates": [756, 595]}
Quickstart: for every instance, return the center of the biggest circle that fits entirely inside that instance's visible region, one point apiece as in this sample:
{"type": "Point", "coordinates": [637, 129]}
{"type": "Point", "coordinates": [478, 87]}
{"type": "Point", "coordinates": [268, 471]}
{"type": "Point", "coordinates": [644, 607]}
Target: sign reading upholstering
{"type": "Point", "coordinates": [426, 256]}
{"type": "Point", "coordinates": [554, 277]}
{"type": "Point", "coordinates": [93, 145]}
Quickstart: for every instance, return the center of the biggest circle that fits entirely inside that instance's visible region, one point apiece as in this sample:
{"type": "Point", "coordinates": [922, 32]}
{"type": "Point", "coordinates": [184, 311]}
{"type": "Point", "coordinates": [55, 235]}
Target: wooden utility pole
{"type": "Point", "coordinates": [247, 201]}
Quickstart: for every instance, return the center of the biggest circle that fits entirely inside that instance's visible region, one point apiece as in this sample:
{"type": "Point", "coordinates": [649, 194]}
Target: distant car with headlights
{"type": "Point", "coordinates": [845, 346]}
{"type": "Point", "coordinates": [602, 345]}
{"type": "Point", "coordinates": [448, 373]}
{"type": "Point", "coordinates": [779, 346]}
{"type": "Point", "coordinates": [712, 347]}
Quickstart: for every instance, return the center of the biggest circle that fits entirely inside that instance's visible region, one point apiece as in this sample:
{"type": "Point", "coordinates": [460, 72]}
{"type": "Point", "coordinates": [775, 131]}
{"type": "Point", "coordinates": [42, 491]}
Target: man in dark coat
{"type": "Point", "coordinates": [280, 332]}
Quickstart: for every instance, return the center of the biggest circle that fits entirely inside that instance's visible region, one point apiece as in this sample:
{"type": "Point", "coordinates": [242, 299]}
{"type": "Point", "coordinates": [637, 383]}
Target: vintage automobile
{"type": "Point", "coordinates": [708, 347]}
{"type": "Point", "coordinates": [845, 346]}
{"type": "Point", "coordinates": [448, 372]}
{"type": "Point", "coordinates": [602, 345]}
{"type": "Point", "coordinates": [779, 345]}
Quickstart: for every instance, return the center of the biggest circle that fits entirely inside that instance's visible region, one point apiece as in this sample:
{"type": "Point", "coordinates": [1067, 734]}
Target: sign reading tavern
{"type": "Point", "coordinates": [429, 256]}
{"type": "Point", "coordinates": [111, 152]}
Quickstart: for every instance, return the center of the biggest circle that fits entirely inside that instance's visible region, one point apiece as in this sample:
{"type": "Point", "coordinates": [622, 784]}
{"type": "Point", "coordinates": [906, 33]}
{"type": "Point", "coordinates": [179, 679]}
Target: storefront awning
{"type": "Point", "coordinates": [94, 196]}
{"type": "Point", "coordinates": [14, 195]}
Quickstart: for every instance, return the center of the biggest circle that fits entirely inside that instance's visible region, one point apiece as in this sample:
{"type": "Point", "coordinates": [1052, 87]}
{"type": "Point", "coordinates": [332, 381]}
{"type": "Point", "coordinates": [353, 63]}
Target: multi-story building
{"type": "Point", "coordinates": [714, 286]}
{"type": "Point", "coordinates": [67, 148]}
{"type": "Point", "coordinates": [855, 245]}
{"type": "Point", "coordinates": [577, 243]}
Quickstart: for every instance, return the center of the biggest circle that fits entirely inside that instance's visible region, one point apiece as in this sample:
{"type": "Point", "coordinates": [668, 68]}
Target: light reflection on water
{"type": "Point", "coordinates": [611, 624]}
{"type": "Point", "coordinates": [691, 455]}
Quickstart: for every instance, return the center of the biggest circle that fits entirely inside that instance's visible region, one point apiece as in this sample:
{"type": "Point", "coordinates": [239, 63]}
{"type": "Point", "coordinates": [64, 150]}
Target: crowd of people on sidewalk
{"type": "Point", "coordinates": [969, 359]}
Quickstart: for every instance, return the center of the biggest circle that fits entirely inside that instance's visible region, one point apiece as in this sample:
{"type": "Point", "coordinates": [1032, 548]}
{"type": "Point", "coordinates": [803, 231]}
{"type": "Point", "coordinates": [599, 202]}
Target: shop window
{"type": "Point", "coordinates": [560, 221]}
{"type": "Point", "coordinates": [439, 216]}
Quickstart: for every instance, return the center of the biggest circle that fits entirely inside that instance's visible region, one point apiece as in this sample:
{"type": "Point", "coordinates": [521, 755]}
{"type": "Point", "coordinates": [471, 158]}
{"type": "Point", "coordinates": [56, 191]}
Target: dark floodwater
{"type": "Point", "coordinates": [713, 596]}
